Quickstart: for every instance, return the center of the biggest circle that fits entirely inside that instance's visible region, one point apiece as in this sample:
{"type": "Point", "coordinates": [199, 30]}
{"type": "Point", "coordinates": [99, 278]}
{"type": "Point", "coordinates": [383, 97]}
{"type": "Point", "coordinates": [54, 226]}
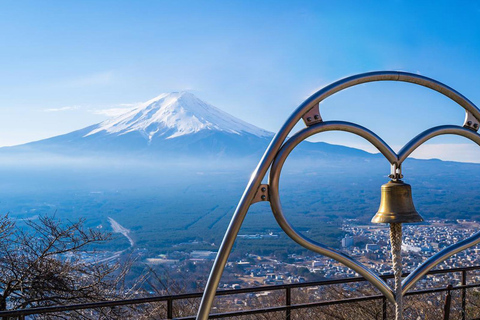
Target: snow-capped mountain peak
{"type": "Point", "coordinates": [175, 114]}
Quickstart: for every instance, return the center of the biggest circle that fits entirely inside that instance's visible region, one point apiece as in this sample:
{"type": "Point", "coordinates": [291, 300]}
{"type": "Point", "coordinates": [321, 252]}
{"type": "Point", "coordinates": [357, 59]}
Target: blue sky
{"type": "Point", "coordinates": [65, 65]}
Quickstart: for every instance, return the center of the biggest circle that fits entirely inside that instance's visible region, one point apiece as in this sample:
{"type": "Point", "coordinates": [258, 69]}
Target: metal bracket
{"type": "Point", "coordinates": [262, 194]}
{"type": "Point", "coordinates": [396, 172]}
{"type": "Point", "coordinates": [312, 116]}
{"type": "Point", "coordinates": [471, 122]}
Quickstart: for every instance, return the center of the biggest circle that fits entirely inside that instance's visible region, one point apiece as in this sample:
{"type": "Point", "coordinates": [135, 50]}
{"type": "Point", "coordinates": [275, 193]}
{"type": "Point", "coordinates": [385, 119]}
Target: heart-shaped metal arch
{"type": "Point", "coordinates": [474, 239]}
{"type": "Point", "coordinates": [393, 158]}
{"type": "Point", "coordinates": [274, 181]}
{"type": "Point", "coordinates": [260, 171]}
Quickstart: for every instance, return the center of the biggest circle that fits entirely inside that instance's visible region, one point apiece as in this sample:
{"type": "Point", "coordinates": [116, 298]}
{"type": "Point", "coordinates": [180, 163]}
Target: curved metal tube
{"type": "Point", "coordinates": [386, 76]}
{"type": "Point", "coordinates": [277, 141]}
{"type": "Point", "coordinates": [423, 269]}
{"type": "Point", "coordinates": [276, 206]}
{"type": "Point", "coordinates": [433, 261]}
{"type": "Point", "coordinates": [433, 132]}
{"type": "Point", "coordinates": [354, 128]}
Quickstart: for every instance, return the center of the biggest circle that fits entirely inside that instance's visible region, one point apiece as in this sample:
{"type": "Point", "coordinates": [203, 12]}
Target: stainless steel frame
{"type": "Point", "coordinates": [278, 151]}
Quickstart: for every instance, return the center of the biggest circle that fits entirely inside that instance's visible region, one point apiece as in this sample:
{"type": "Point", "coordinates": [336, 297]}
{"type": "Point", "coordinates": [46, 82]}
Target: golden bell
{"type": "Point", "coordinates": [396, 204]}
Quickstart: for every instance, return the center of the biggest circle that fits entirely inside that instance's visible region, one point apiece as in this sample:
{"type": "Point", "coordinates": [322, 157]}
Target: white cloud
{"type": "Point", "coordinates": [462, 152]}
{"type": "Point", "coordinates": [117, 110]}
{"type": "Point", "coordinates": [111, 112]}
{"type": "Point", "coordinates": [68, 108]}
{"type": "Point", "coordinates": [131, 105]}
{"type": "Point", "coordinates": [105, 110]}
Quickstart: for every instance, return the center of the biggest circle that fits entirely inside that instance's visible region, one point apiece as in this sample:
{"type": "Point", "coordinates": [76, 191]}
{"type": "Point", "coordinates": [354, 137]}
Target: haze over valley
{"type": "Point", "coordinates": [167, 176]}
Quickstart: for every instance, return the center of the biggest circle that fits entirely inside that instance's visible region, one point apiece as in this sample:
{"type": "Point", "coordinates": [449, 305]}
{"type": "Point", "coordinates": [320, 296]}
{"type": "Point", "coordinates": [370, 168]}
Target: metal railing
{"type": "Point", "coordinates": [288, 307]}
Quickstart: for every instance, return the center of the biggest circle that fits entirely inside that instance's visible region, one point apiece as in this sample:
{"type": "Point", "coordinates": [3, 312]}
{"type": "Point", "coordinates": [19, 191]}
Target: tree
{"type": "Point", "coordinates": [47, 262]}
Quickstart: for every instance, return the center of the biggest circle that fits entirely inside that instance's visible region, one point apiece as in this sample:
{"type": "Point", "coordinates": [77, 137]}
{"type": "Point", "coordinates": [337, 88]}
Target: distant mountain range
{"type": "Point", "coordinates": [178, 128]}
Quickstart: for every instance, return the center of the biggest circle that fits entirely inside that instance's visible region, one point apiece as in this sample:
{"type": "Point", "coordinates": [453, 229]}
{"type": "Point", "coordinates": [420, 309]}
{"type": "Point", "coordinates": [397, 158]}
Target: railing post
{"type": "Point", "coordinates": [288, 302]}
{"type": "Point", "coordinates": [170, 308]}
{"type": "Point", "coordinates": [384, 302]}
{"type": "Point", "coordinates": [384, 308]}
{"type": "Point", "coordinates": [464, 295]}
{"type": "Point", "coordinates": [448, 302]}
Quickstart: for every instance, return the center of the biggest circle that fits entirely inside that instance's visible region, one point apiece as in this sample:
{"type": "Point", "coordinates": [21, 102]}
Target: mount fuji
{"type": "Point", "coordinates": [176, 114]}
{"type": "Point", "coordinates": [171, 126]}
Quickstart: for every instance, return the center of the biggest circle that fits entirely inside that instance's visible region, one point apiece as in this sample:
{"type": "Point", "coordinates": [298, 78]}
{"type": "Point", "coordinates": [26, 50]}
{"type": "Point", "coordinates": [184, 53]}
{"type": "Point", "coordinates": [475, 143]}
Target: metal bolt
{"type": "Point", "coordinates": [469, 123]}
{"type": "Point", "coordinates": [316, 117]}
{"type": "Point", "coordinates": [475, 125]}
{"type": "Point", "coordinates": [264, 189]}
{"type": "Point", "coordinates": [263, 197]}
{"type": "Point", "coordinates": [309, 119]}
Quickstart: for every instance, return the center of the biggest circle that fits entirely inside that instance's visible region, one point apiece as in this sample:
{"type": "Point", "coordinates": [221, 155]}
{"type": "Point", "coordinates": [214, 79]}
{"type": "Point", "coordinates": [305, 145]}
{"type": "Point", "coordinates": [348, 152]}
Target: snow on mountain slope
{"type": "Point", "coordinates": [175, 114]}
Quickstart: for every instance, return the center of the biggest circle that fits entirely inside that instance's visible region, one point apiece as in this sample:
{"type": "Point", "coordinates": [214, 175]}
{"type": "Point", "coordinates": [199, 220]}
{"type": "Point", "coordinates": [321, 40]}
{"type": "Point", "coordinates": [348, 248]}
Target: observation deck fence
{"type": "Point", "coordinates": [287, 307]}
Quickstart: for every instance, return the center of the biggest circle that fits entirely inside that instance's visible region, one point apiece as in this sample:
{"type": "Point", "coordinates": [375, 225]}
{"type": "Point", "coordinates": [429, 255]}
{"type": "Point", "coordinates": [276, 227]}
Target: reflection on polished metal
{"type": "Point", "coordinates": [278, 150]}
{"type": "Point", "coordinates": [396, 204]}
